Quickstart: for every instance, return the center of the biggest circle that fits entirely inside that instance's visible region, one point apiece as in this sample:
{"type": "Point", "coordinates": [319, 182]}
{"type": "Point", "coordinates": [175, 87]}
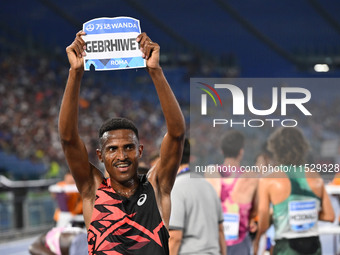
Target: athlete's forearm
{"type": "Point", "coordinates": [171, 110]}
{"type": "Point", "coordinates": [263, 225]}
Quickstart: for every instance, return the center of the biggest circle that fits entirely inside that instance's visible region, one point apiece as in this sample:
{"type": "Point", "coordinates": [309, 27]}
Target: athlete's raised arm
{"type": "Point", "coordinates": [163, 174]}
{"type": "Point", "coordinates": [75, 152]}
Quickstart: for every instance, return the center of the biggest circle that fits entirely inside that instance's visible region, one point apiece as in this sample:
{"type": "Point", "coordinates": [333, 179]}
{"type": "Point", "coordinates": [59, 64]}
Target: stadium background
{"type": "Point", "coordinates": [198, 38]}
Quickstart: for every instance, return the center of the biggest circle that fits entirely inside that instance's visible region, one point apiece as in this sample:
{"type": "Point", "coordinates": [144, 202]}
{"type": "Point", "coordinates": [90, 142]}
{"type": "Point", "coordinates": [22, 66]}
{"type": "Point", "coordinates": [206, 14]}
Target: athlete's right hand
{"type": "Point", "coordinates": [76, 52]}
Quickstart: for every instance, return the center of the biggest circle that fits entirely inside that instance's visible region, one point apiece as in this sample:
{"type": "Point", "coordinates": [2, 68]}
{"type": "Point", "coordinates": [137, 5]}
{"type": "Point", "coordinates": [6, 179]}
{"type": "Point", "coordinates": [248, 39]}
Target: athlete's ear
{"type": "Point", "coordinates": [140, 150]}
{"type": "Point", "coordinates": [99, 154]}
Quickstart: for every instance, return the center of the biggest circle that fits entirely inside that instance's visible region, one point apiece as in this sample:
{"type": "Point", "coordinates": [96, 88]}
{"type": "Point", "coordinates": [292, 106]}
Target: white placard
{"type": "Point", "coordinates": [111, 44]}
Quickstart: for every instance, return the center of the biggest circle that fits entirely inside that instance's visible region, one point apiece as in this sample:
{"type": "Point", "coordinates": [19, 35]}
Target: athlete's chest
{"type": "Point", "coordinates": [107, 200]}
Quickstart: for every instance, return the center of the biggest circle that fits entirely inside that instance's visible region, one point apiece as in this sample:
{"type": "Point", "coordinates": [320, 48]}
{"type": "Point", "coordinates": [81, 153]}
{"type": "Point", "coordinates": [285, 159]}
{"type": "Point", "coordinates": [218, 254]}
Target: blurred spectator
{"type": "Point", "coordinates": [61, 241]}
{"type": "Point", "coordinates": [70, 206]}
{"type": "Point", "coordinates": [196, 220]}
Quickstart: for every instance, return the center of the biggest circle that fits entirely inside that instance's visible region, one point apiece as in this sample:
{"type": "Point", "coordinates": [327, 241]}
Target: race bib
{"type": "Point", "coordinates": [111, 44]}
{"type": "Point", "coordinates": [303, 215]}
{"type": "Point", "coordinates": [231, 225]}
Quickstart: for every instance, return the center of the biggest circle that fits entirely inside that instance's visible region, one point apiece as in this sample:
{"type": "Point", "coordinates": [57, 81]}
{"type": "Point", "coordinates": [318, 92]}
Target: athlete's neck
{"type": "Point", "coordinates": [127, 188]}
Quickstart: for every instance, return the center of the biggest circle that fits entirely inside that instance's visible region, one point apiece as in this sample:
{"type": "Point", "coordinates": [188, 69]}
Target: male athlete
{"type": "Point", "coordinates": [124, 214]}
{"type": "Point", "coordinates": [237, 192]}
{"type": "Point", "coordinates": [298, 197]}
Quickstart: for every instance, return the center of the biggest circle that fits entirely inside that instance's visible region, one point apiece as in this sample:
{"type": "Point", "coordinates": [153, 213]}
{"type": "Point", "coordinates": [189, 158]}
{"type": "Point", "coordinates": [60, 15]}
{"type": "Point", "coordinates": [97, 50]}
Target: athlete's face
{"type": "Point", "coordinates": [120, 154]}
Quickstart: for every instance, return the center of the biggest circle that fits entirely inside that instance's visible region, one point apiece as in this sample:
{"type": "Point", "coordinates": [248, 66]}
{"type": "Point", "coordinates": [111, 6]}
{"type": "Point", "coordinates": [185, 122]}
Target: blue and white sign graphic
{"type": "Point", "coordinates": [111, 44]}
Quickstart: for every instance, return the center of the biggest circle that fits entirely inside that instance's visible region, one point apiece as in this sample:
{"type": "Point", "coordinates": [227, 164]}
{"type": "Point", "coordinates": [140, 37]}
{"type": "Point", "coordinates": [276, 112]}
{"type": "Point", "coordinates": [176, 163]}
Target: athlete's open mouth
{"type": "Point", "coordinates": [122, 166]}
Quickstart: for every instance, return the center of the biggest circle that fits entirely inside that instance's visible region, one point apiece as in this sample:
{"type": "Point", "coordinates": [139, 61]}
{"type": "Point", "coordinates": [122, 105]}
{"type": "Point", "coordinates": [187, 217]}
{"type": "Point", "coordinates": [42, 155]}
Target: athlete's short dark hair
{"type": "Point", "coordinates": [117, 123]}
{"type": "Point", "coordinates": [232, 143]}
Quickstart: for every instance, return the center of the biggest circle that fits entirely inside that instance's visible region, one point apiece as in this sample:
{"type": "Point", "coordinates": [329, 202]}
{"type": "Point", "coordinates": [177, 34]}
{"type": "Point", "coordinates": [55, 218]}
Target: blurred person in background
{"type": "Point", "coordinates": [298, 197]}
{"type": "Point", "coordinates": [124, 213]}
{"type": "Point", "coordinates": [60, 241]}
{"type": "Point", "coordinates": [262, 160]}
{"type": "Point", "coordinates": [196, 220]}
{"type": "Point", "coordinates": [237, 192]}
{"type": "Point", "coordinates": [69, 203]}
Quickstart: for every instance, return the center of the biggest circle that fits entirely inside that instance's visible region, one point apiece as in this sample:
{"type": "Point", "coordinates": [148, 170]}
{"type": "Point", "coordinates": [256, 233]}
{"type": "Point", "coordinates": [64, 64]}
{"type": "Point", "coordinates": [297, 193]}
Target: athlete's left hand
{"type": "Point", "coordinates": [150, 50]}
